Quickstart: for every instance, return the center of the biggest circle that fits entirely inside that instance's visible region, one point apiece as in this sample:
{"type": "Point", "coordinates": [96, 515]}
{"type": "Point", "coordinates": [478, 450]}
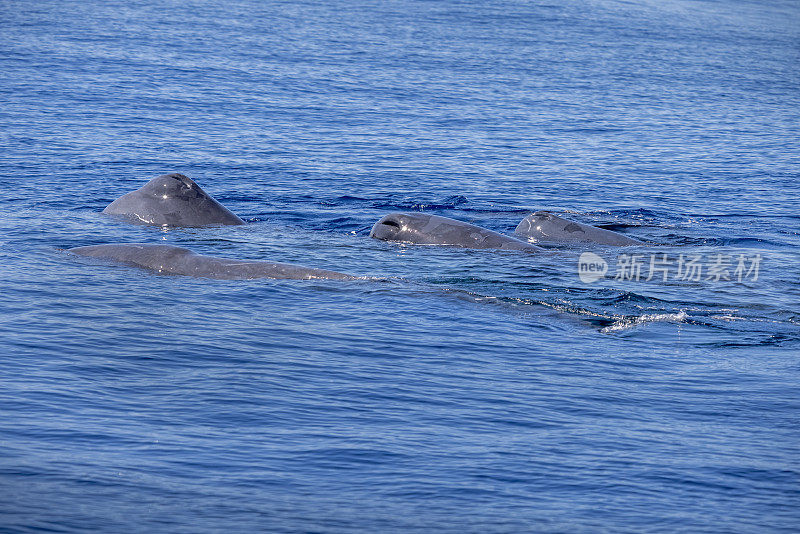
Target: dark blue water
{"type": "Point", "coordinates": [468, 391]}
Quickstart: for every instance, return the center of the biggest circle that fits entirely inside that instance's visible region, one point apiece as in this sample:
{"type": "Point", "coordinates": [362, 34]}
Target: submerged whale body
{"type": "Point", "coordinates": [544, 227]}
{"type": "Point", "coordinates": [423, 229]}
{"type": "Point", "coordinates": [168, 259]}
{"type": "Point", "coordinates": [172, 200]}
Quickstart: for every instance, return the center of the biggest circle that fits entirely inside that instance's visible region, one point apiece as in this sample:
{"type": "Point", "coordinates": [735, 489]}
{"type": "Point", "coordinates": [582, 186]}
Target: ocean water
{"type": "Point", "coordinates": [456, 390]}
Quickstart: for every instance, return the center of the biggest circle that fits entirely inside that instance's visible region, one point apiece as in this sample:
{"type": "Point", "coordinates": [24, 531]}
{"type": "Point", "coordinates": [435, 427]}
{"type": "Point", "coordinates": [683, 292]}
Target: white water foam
{"type": "Point", "coordinates": [630, 322]}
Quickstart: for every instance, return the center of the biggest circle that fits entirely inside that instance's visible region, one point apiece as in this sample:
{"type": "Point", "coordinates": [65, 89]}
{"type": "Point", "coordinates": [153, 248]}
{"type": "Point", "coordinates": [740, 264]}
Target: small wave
{"type": "Point", "coordinates": [629, 322]}
{"type": "Point", "coordinates": [746, 242]}
{"type": "Point", "coordinates": [343, 200]}
{"type": "Point", "coordinates": [494, 209]}
{"type": "Point", "coordinates": [640, 213]}
{"type": "Point", "coordinates": [450, 202]}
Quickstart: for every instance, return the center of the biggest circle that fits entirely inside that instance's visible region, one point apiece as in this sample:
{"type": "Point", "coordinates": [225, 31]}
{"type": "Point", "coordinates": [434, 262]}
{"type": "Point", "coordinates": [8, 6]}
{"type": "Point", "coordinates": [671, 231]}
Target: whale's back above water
{"type": "Point", "coordinates": [168, 259]}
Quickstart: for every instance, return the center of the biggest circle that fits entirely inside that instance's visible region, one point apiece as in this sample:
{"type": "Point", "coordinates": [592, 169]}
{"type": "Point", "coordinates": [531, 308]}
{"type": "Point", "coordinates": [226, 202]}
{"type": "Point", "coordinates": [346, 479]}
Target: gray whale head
{"type": "Point", "coordinates": [171, 200]}
{"type": "Point", "coordinates": [546, 227]}
{"type": "Point", "coordinates": [424, 229]}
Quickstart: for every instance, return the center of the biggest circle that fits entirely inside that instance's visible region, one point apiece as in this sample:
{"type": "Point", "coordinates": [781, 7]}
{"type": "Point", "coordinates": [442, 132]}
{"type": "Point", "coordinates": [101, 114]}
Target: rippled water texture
{"type": "Point", "coordinates": [463, 390]}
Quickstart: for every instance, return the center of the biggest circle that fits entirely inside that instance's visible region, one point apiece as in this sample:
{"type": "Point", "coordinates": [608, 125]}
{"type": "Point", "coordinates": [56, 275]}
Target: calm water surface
{"type": "Point", "coordinates": [465, 391]}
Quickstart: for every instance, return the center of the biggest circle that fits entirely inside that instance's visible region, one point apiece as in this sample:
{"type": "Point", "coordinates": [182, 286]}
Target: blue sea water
{"type": "Point", "coordinates": [463, 391]}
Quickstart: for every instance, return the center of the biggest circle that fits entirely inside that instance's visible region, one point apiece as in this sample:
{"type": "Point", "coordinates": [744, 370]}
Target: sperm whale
{"type": "Point", "coordinates": [171, 200]}
{"type": "Point", "coordinates": [424, 229]}
{"type": "Point", "coordinates": [169, 259]}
